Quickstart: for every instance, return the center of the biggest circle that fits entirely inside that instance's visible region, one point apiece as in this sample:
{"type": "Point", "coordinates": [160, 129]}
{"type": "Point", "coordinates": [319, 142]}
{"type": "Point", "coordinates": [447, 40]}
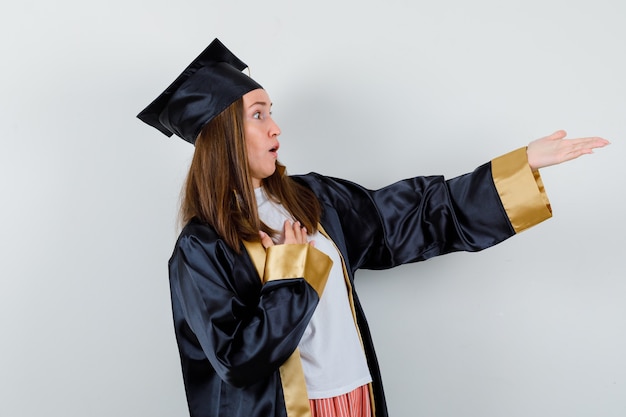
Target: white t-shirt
{"type": "Point", "coordinates": [332, 356]}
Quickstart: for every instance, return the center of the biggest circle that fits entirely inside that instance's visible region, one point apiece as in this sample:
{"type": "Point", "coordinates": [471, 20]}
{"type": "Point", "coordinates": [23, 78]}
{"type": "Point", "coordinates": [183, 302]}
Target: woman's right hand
{"type": "Point", "coordinates": [555, 149]}
{"type": "Point", "coordinates": [292, 233]}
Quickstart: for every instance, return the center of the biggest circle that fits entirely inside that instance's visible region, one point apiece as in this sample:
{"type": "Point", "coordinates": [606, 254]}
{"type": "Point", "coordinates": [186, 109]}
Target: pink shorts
{"type": "Point", "coordinates": [352, 404]}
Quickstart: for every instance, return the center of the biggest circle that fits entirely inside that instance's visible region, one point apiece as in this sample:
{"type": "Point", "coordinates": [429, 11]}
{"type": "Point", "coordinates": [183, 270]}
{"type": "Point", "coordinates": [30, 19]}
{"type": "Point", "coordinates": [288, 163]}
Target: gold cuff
{"type": "Point", "coordinates": [298, 261]}
{"type": "Point", "coordinates": [521, 190]}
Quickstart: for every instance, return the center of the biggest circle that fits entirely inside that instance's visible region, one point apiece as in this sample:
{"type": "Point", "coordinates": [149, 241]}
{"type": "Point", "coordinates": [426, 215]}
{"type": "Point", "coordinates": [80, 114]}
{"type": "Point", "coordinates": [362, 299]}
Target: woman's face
{"type": "Point", "coordinates": [261, 134]}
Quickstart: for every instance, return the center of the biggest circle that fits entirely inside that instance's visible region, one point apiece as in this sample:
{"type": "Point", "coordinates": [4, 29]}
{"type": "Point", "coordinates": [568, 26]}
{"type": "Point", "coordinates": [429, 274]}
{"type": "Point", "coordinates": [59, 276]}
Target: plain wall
{"type": "Point", "coordinates": [370, 91]}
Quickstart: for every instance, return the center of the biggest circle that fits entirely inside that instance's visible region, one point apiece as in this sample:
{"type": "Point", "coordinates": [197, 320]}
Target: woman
{"type": "Point", "coordinates": [266, 317]}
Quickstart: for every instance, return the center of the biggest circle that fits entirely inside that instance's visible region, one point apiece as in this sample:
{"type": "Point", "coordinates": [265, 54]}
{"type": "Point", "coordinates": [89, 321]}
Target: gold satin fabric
{"type": "Point", "coordinates": [292, 261]}
{"type": "Point", "coordinates": [521, 190]}
{"type": "Point", "coordinates": [295, 261]}
{"type": "Point", "coordinates": [294, 387]}
{"type": "Point", "coordinates": [257, 254]}
{"type": "Point", "coordinates": [352, 308]}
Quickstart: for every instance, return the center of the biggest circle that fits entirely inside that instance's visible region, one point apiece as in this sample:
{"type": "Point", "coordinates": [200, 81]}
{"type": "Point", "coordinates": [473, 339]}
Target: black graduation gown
{"type": "Point", "coordinates": [234, 331]}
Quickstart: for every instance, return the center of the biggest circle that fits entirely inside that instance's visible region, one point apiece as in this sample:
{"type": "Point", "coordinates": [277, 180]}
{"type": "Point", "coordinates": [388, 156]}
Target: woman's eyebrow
{"type": "Point", "coordinates": [260, 103]}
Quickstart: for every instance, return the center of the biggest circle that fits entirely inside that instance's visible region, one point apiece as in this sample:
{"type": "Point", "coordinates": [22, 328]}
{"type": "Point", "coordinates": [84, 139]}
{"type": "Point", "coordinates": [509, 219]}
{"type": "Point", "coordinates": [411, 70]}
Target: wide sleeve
{"type": "Point", "coordinates": [418, 218]}
{"type": "Point", "coordinates": [244, 327]}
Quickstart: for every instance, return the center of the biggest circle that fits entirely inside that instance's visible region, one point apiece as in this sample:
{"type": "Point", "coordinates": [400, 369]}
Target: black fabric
{"type": "Point", "coordinates": [233, 332]}
{"type": "Point", "coordinates": [211, 83]}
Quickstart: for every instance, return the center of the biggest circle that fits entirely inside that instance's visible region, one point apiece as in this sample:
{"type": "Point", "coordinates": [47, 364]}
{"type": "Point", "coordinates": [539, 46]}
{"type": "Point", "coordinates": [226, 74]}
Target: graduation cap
{"type": "Point", "coordinates": [211, 83]}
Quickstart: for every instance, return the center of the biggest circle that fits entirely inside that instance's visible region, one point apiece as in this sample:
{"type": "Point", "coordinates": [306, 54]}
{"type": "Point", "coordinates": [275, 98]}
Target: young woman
{"type": "Point", "coordinates": [266, 317]}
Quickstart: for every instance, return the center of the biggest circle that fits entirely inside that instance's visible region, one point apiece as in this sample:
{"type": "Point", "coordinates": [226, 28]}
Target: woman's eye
{"type": "Point", "coordinates": [256, 115]}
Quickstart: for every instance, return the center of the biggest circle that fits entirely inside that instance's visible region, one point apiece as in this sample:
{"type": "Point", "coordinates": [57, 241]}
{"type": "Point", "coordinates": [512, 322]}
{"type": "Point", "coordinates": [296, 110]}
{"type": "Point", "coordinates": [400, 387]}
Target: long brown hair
{"type": "Point", "coordinates": [219, 189]}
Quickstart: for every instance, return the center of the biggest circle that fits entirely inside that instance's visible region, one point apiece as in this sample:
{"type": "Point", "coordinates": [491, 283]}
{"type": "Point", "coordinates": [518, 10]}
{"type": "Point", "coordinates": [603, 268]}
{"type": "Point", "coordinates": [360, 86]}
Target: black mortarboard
{"type": "Point", "coordinates": [211, 83]}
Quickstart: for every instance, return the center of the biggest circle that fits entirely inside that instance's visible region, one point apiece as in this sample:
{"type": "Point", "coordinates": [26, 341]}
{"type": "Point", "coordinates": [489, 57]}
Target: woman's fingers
{"type": "Point", "coordinates": [294, 232]}
{"type": "Point", "coordinates": [289, 235]}
{"type": "Point", "coordinates": [303, 234]}
{"type": "Point", "coordinates": [555, 149]}
{"type": "Point", "coordinates": [266, 240]}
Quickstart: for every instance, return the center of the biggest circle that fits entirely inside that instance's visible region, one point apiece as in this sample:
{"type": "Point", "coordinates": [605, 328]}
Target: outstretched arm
{"type": "Point", "coordinates": [554, 149]}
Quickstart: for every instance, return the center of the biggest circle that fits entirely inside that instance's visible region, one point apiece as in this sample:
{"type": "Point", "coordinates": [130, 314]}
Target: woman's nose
{"type": "Point", "coordinates": [274, 129]}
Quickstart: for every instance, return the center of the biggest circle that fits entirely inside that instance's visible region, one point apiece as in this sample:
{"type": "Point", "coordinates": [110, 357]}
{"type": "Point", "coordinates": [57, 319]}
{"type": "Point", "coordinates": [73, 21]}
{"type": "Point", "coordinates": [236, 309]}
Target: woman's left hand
{"type": "Point", "coordinates": [554, 149]}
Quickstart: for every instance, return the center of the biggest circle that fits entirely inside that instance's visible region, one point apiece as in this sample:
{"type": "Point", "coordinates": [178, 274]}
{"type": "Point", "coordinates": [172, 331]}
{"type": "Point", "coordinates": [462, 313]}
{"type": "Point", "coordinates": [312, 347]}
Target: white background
{"type": "Point", "coordinates": [372, 91]}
